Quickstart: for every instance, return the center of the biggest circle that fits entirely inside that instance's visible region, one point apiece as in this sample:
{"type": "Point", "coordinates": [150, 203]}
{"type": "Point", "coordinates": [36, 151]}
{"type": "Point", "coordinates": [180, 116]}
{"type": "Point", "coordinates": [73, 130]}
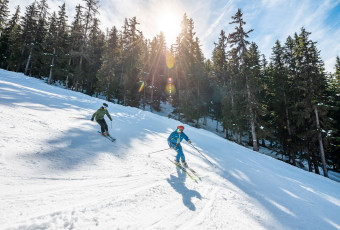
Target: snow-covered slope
{"type": "Point", "coordinates": [57, 172]}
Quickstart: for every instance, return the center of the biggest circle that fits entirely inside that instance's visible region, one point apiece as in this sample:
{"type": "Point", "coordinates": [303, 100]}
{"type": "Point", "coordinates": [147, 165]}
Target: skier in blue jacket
{"type": "Point", "coordinates": [174, 141]}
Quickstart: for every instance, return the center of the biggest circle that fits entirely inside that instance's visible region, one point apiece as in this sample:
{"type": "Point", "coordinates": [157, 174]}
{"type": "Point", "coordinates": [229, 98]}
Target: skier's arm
{"type": "Point", "coordinates": [171, 141]}
{"type": "Point", "coordinates": [186, 138]}
{"type": "Point", "coordinates": [107, 113]}
{"type": "Point", "coordinates": [93, 116]}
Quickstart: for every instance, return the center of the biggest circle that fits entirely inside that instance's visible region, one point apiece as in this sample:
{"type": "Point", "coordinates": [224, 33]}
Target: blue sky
{"type": "Point", "coordinates": [271, 19]}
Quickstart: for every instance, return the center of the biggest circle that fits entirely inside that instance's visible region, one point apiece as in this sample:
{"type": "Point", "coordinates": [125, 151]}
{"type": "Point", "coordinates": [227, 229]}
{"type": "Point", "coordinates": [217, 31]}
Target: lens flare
{"type": "Point", "coordinates": [141, 87]}
{"type": "Point", "coordinates": [170, 60]}
{"type": "Point", "coordinates": [170, 90]}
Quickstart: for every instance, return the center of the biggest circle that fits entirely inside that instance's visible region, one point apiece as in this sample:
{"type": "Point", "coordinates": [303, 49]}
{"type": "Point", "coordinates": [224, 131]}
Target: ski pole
{"type": "Point", "coordinates": [203, 155]}
{"type": "Point", "coordinates": [80, 118]}
{"type": "Point", "coordinates": [111, 125]}
{"type": "Point", "coordinates": [158, 151]}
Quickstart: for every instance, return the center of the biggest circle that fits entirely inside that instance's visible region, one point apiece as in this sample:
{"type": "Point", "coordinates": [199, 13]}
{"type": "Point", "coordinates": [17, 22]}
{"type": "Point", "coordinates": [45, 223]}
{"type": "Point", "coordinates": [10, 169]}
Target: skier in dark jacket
{"type": "Point", "coordinates": [99, 115]}
{"type": "Point", "coordinates": [174, 141]}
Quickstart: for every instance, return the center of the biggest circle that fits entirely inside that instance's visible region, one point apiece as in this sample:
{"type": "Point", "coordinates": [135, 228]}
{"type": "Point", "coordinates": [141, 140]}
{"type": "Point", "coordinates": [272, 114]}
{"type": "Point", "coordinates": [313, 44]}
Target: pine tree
{"type": "Point", "coordinates": [28, 24]}
{"type": "Point", "coordinates": [254, 87]}
{"type": "Point", "coordinates": [189, 62]}
{"type": "Point", "coordinates": [337, 68]}
{"type": "Point", "coordinates": [38, 69]}
{"type": "Point", "coordinates": [111, 60]}
{"type": "Point", "coordinates": [220, 81]}
{"type": "Point", "coordinates": [310, 85]}
{"type": "Point", "coordinates": [280, 88]}
{"type": "Point", "coordinates": [240, 79]}
{"type": "Point", "coordinates": [35, 35]}
{"type": "Point", "coordinates": [189, 99]}
{"type": "Point", "coordinates": [91, 9]}
{"type": "Point", "coordinates": [334, 102]}
{"type": "Point", "coordinates": [51, 44]}
{"type": "Point", "coordinates": [265, 117]}
{"type": "Point", "coordinates": [181, 55]}
{"type": "Point", "coordinates": [4, 13]}
{"type": "Point", "coordinates": [219, 58]}
{"type": "Point", "coordinates": [76, 39]}
{"type": "Point", "coordinates": [94, 52]}
{"type": "Point", "coordinates": [61, 68]}
{"type": "Point", "coordinates": [9, 40]}
{"type": "Point", "coordinates": [200, 83]}
{"type": "Point", "coordinates": [157, 69]}
{"type": "Point", "coordinates": [133, 42]}
{"type": "Point", "coordinates": [57, 46]}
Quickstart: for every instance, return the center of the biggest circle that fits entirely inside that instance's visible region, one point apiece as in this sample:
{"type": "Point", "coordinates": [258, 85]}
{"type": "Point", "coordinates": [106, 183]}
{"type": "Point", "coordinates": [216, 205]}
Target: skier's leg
{"type": "Point", "coordinates": [180, 153]}
{"type": "Point", "coordinates": [105, 126]}
{"type": "Point", "coordinates": [102, 125]}
{"type": "Point", "coordinates": [183, 157]}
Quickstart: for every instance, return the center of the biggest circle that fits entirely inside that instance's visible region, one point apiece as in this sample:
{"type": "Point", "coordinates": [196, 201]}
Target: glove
{"type": "Point", "coordinates": [172, 147]}
{"type": "Point", "coordinates": [189, 141]}
{"type": "Point", "coordinates": [91, 119]}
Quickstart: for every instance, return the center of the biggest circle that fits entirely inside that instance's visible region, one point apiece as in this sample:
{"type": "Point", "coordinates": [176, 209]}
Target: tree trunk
{"type": "Point", "coordinates": [108, 88]}
{"type": "Point", "coordinates": [66, 82]}
{"type": "Point", "coordinates": [293, 158]}
{"type": "Point", "coordinates": [271, 143]}
{"type": "Point", "coordinates": [179, 98]}
{"type": "Point", "coordinates": [292, 155]}
{"type": "Point", "coordinates": [322, 153]}
{"type": "Point", "coordinates": [310, 169]}
{"type": "Point", "coordinates": [144, 95]}
{"type": "Point", "coordinates": [240, 137]}
{"type": "Point", "coordinates": [252, 118]}
{"type": "Point", "coordinates": [315, 163]}
{"type": "Point", "coordinates": [50, 77]}
{"type": "Point", "coordinates": [152, 85]}
{"type": "Point", "coordinates": [28, 62]}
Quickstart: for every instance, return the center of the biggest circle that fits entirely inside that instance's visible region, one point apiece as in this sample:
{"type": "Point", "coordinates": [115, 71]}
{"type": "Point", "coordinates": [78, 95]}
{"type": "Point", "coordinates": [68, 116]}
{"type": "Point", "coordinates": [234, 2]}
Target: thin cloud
{"type": "Point", "coordinates": [284, 19]}
{"type": "Point", "coordinates": [217, 21]}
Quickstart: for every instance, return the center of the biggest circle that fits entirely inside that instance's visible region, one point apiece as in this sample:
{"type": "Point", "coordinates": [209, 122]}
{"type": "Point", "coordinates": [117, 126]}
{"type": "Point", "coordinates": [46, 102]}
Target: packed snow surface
{"type": "Point", "coordinates": [57, 172]}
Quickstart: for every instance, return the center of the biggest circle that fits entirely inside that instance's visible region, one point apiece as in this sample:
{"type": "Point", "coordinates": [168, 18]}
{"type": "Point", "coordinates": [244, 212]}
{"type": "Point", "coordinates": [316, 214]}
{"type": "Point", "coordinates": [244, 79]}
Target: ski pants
{"type": "Point", "coordinates": [103, 125]}
{"type": "Point", "coordinates": [180, 154]}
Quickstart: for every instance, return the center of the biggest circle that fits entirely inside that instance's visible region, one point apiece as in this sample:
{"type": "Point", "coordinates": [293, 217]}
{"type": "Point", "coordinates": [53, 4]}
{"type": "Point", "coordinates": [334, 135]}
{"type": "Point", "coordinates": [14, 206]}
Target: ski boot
{"type": "Point", "coordinates": [177, 163]}
{"type": "Point", "coordinates": [185, 165]}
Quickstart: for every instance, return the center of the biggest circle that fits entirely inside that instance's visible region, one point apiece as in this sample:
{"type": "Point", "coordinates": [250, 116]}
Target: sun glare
{"type": "Point", "coordinates": [169, 24]}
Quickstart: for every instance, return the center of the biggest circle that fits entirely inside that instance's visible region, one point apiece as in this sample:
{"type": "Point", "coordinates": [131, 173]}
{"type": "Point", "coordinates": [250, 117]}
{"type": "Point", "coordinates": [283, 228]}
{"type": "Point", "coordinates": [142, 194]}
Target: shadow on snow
{"type": "Point", "coordinates": [177, 183]}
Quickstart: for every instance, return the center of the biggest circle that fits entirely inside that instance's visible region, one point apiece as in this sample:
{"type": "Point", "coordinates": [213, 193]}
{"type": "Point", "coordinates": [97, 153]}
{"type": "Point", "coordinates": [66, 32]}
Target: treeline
{"type": "Point", "coordinates": [288, 104]}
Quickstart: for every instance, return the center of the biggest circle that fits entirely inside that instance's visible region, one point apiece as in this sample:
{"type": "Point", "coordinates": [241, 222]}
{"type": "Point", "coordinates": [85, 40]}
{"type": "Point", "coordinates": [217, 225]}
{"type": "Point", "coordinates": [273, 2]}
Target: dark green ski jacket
{"type": "Point", "coordinates": [99, 115]}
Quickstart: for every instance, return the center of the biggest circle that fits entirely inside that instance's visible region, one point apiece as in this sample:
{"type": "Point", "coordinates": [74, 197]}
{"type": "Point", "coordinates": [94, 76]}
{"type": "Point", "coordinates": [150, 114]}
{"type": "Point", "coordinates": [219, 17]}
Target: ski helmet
{"type": "Point", "coordinates": [180, 127]}
{"type": "Point", "coordinates": [105, 105]}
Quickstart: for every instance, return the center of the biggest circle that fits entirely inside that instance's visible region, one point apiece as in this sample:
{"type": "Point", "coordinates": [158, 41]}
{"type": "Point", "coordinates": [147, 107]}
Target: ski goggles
{"type": "Point", "coordinates": [179, 130]}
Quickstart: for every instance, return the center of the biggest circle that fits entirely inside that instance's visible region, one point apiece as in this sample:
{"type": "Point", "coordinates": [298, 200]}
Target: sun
{"type": "Point", "coordinates": [169, 24]}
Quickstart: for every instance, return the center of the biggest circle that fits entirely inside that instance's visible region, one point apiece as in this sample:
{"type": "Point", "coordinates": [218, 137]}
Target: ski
{"type": "Point", "coordinates": [195, 173]}
{"type": "Point", "coordinates": [109, 137]}
{"type": "Point", "coordinates": [183, 169]}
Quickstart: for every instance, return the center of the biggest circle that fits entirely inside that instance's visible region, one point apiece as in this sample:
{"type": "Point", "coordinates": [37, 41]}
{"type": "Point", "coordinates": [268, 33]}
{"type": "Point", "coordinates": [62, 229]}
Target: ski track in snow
{"type": "Point", "coordinates": [57, 172]}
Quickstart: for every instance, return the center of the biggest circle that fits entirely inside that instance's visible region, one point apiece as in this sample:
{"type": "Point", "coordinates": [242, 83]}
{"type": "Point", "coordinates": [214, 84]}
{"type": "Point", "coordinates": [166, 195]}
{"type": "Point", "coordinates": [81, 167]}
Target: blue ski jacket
{"type": "Point", "coordinates": [175, 138]}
